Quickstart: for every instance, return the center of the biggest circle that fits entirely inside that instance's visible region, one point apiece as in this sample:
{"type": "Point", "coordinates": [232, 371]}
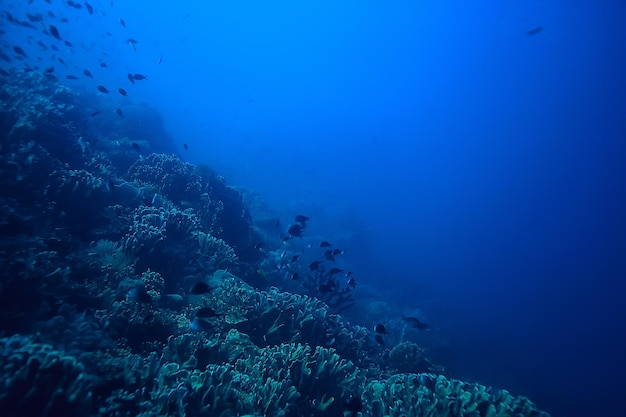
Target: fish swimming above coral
{"type": "Point", "coordinates": [417, 324]}
{"type": "Point", "coordinates": [295, 230]}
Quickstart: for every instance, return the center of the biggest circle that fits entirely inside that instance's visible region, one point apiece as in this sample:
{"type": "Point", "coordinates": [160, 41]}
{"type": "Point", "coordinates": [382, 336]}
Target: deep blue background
{"type": "Point", "coordinates": [484, 168]}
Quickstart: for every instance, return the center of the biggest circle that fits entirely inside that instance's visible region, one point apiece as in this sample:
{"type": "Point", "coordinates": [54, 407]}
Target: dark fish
{"type": "Point", "coordinates": [379, 339]}
{"type": "Point", "coordinates": [380, 328]}
{"type": "Point", "coordinates": [534, 31]}
{"type": "Point", "coordinates": [87, 73]}
{"type": "Point", "coordinates": [258, 245]}
{"type": "Point", "coordinates": [130, 78]}
{"type": "Point", "coordinates": [50, 70]}
{"type": "Point", "coordinates": [103, 64]}
{"type": "Point", "coordinates": [34, 17]}
{"type": "Point", "coordinates": [354, 405]}
{"type": "Point", "coordinates": [337, 252]}
{"type": "Point", "coordinates": [185, 146]}
{"type": "Point", "coordinates": [207, 313]}
{"type": "Point", "coordinates": [74, 4]}
{"type": "Point", "coordinates": [199, 287]}
{"type": "Point", "coordinates": [42, 45]}
{"type": "Point", "coordinates": [94, 114]}
{"type": "Point", "coordinates": [122, 91]}
{"type": "Point", "coordinates": [71, 77]}
{"type": "Point", "coordinates": [301, 219]}
{"type": "Point", "coordinates": [417, 324]}
{"type": "Point", "coordinates": [20, 51]}
{"type": "Point", "coordinates": [89, 8]}
{"type": "Point", "coordinates": [315, 265]}
{"type": "Point", "coordinates": [149, 317]}
{"type": "Point", "coordinates": [335, 271]}
{"type": "Point", "coordinates": [140, 295]}
{"type": "Point", "coordinates": [427, 381]}
{"type": "Point", "coordinates": [325, 244]}
{"type": "Point", "coordinates": [61, 61]}
{"type": "Point", "coordinates": [160, 60]}
{"type": "Point", "coordinates": [119, 112]}
{"type": "Point", "coordinates": [68, 44]}
{"type": "Point", "coordinates": [352, 283]}
{"type": "Point", "coordinates": [122, 22]}
{"type": "Point", "coordinates": [54, 47]}
{"type": "Point", "coordinates": [324, 288]}
{"type": "Point", "coordinates": [136, 147]}
{"type": "Point", "coordinates": [294, 258]}
{"type": "Point", "coordinates": [295, 230]}
{"type": "Point", "coordinates": [54, 32]}
{"type": "Point", "coordinates": [50, 13]}
{"type": "Point", "coordinates": [199, 325]}
{"type": "Point", "coordinates": [328, 254]}
{"type": "Point", "coordinates": [295, 276]}
{"type": "Point", "coordinates": [103, 89]}
{"type": "Point", "coordinates": [139, 77]}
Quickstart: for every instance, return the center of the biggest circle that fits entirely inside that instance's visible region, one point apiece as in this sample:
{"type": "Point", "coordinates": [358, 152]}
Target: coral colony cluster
{"type": "Point", "coordinates": [135, 284]}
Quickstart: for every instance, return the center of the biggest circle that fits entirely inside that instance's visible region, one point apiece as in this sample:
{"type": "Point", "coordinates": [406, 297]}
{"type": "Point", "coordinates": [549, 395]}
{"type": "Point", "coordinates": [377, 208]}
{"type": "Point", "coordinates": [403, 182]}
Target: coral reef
{"type": "Point", "coordinates": [125, 288]}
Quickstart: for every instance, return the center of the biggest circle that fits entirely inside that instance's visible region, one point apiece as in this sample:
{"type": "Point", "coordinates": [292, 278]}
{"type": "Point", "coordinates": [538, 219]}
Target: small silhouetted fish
{"type": "Point", "coordinates": [199, 287]}
{"type": "Point", "coordinates": [71, 77]}
{"type": "Point", "coordinates": [427, 381]}
{"type": "Point", "coordinates": [34, 17]}
{"type": "Point", "coordinates": [89, 8]}
{"type": "Point", "coordinates": [295, 276]}
{"type": "Point", "coordinates": [314, 266]}
{"type": "Point", "coordinates": [61, 61]}
{"type": "Point", "coordinates": [185, 146]}
{"type": "Point", "coordinates": [68, 44]}
{"type": "Point", "coordinates": [337, 252]}
{"type": "Point", "coordinates": [103, 64]}
{"type": "Point", "coordinates": [207, 313]}
{"type": "Point", "coordinates": [94, 114]}
{"type": "Point", "coordinates": [20, 51]}
{"type": "Point", "coordinates": [139, 77]}
{"type": "Point", "coordinates": [50, 13]}
{"type": "Point", "coordinates": [417, 324]}
{"type": "Point", "coordinates": [119, 112]}
{"type": "Point", "coordinates": [199, 325]}
{"type": "Point", "coordinates": [301, 219]}
{"type": "Point", "coordinates": [335, 271]}
{"type": "Point", "coordinates": [54, 32]}
{"type": "Point", "coordinates": [54, 47]}
{"type": "Point", "coordinates": [324, 288]}
{"type": "Point", "coordinates": [130, 78]}
{"type": "Point", "coordinates": [379, 339]}
{"type": "Point", "coordinates": [325, 244]}
{"type": "Point", "coordinates": [328, 254]}
{"type": "Point", "coordinates": [87, 73]}
{"type": "Point", "coordinates": [139, 294]}
{"type": "Point", "coordinates": [50, 70]}
{"type": "Point", "coordinates": [149, 317]}
{"type": "Point", "coordinates": [380, 328]}
{"type": "Point", "coordinates": [295, 230]}
{"type": "Point", "coordinates": [354, 406]}
{"type": "Point", "coordinates": [294, 258]}
{"type": "Point", "coordinates": [352, 283]}
{"type": "Point", "coordinates": [160, 60]}
{"type": "Point", "coordinates": [534, 31]}
{"type": "Point", "coordinates": [42, 45]}
{"type": "Point", "coordinates": [136, 147]}
{"type": "Point", "coordinates": [122, 22]}
{"type": "Point", "coordinates": [103, 89]}
{"type": "Point", "coordinates": [122, 91]}
{"type": "Point", "coordinates": [74, 4]}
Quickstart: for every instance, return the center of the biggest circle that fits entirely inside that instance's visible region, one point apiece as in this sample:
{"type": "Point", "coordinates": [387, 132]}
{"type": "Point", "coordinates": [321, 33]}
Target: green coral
{"type": "Point", "coordinates": [428, 395]}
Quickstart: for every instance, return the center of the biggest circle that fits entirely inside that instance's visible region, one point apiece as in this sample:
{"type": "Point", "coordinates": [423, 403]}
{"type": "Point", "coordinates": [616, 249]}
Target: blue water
{"type": "Point", "coordinates": [474, 172]}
